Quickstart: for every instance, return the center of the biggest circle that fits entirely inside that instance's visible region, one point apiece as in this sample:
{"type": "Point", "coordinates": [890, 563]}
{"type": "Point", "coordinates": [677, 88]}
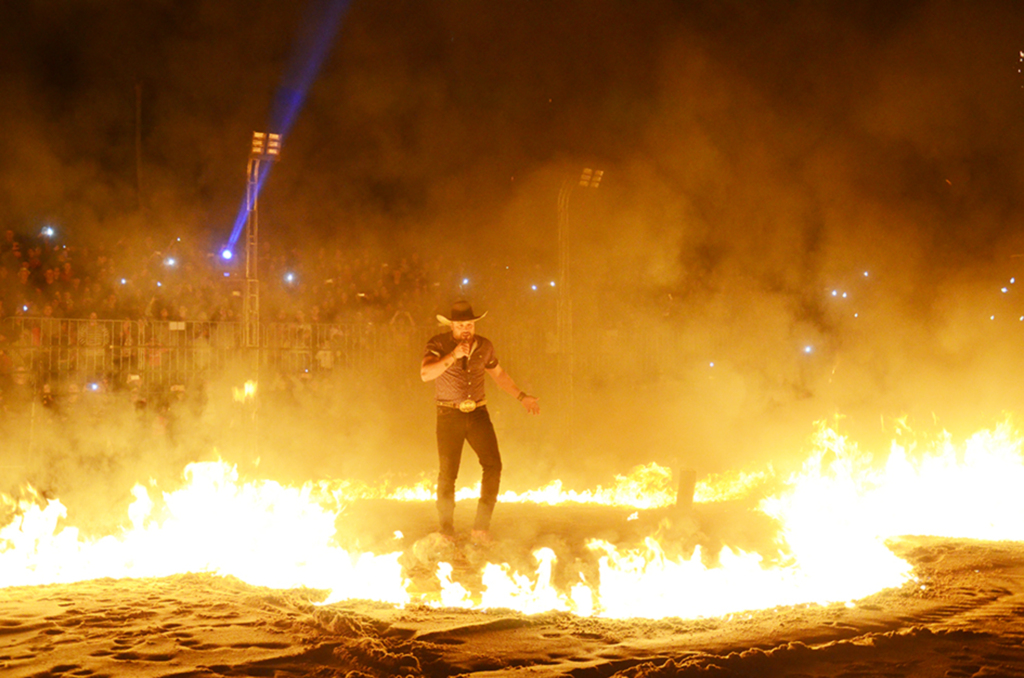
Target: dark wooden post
{"type": "Point", "coordinates": [685, 490]}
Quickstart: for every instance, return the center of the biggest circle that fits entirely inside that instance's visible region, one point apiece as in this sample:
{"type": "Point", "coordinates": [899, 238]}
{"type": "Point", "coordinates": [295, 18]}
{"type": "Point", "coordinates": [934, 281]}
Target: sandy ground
{"type": "Point", "coordinates": [964, 616]}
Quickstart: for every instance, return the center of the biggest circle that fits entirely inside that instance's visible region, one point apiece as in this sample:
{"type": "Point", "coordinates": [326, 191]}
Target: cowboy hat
{"type": "Point", "coordinates": [461, 312]}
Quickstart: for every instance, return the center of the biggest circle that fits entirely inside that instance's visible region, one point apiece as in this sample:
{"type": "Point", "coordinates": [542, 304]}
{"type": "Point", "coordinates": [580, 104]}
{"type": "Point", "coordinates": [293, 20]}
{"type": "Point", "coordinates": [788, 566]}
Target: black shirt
{"type": "Point", "coordinates": [459, 382]}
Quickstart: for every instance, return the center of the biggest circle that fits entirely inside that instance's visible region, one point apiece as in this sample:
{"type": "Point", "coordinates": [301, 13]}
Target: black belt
{"type": "Point", "coordinates": [467, 405]}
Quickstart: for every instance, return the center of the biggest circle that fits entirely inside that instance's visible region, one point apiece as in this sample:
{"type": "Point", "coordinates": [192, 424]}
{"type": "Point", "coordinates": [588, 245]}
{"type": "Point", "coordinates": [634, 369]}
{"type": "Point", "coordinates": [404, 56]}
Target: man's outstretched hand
{"type": "Point", "coordinates": [531, 404]}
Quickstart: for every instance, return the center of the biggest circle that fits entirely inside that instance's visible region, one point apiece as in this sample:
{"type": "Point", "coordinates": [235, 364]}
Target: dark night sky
{"type": "Point", "coordinates": [425, 111]}
{"type": "Point", "coordinates": [757, 157]}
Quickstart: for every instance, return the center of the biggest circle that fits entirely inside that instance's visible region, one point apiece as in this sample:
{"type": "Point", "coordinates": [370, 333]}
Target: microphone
{"type": "Point", "coordinates": [465, 362]}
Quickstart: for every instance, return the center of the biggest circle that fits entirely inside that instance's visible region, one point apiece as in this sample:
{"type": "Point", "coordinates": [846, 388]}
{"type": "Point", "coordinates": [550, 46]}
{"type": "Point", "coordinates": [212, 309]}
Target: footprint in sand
{"type": "Point", "coordinates": [143, 657]}
{"type": "Point", "coordinates": [61, 669]}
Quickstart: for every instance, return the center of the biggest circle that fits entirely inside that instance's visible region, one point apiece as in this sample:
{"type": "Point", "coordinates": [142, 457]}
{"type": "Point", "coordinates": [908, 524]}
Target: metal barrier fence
{"type": "Point", "coordinates": [155, 363]}
{"type": "Point", "coordinates": [161, 353]}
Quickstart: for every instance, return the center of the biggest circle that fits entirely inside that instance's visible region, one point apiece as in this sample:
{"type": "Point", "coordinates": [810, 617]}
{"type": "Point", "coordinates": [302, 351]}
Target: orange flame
{"type": "Point", "coordinates": [834, 516]}
{"type": "Point", "coordinates": [245, 394]}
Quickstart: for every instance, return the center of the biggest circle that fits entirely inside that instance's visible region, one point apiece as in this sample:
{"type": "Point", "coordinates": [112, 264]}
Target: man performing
{"type": "Point", "coordinates": [456, 363]}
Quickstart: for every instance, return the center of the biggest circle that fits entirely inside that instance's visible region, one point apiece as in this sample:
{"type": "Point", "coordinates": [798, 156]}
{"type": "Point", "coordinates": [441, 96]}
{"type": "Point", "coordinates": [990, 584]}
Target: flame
{"type": "Point", "coordinates": [644, 487]}
{"type": "Point", "coordinates": [729, 486]}
{"type": "Point", "coordinates": [261, 532]}
{"type": "Point", "coordinates": [245, 394]}
{"type": "Point", "coordinates": [971, 491]}
{"type": "Point", "coordinates": [834, 516]}
{"type": "Point", "coordinates": [647, 486]}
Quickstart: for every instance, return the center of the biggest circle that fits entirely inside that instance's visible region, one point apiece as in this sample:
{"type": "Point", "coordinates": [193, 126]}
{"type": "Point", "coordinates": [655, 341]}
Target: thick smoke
{"type": "Point", "coordinates": [807, 212]}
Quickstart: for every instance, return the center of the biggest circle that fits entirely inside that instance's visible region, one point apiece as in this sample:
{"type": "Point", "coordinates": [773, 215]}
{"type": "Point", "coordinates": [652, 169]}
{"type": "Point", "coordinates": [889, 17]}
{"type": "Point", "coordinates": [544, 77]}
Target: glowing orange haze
{"type": "Point", "coordinates": [834, 516]}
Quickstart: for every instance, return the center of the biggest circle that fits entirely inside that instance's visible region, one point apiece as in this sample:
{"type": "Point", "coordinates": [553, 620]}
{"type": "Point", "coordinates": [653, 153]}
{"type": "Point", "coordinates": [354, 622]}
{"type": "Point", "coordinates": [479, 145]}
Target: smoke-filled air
{"type": "Point", "coordinates": [736, 288]}
{"type": "Point", "coordinates": [806, 212]}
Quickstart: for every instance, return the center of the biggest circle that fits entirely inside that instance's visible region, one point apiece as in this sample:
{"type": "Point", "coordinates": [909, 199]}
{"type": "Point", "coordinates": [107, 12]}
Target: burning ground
{"type": "Point", "coordinates": [805, 573]}
{"type": "Point", "coordinates": [963, 619]}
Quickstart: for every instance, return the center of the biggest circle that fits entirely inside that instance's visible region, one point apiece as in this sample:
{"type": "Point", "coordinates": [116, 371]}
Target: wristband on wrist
{"type": "Point", "coordinates": [522, 394]}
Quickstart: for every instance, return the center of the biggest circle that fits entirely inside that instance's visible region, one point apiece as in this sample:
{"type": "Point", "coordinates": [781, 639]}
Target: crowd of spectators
{"type": "Point", "coordinates": [92, 313]}
{"type": "Point", "coordinates": [41, 276]}
{"type": "Point", "coordinates": [136, 280]}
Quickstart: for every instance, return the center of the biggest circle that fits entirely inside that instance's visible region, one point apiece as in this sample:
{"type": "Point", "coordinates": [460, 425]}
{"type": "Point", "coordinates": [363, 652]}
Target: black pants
{"type": "Point", "coordinates": [453, 428]}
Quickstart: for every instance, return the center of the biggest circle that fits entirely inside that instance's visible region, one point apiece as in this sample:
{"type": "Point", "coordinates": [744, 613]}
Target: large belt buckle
{"type": "Point", "coordinates": [467, 405]}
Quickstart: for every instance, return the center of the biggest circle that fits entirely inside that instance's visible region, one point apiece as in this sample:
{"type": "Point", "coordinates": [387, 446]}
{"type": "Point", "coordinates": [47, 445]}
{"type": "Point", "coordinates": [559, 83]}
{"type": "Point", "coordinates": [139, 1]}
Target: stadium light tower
{"type": "Point", "coordinates": [265, 148]}
{"type": "Point", "coordinates": [588, 179]}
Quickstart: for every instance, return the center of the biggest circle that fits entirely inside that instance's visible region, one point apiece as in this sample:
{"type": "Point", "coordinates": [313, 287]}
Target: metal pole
{"type": "Point", "coordinates": [251, 301]}
{"type": "Point", "coordinates": [264, 147]}
{"type": "Point", "coordinates": [563, 319]}
{"type": "Point", "coordinates": [138, 144]}
{"type": "Point", "coordinates": [588, 178]}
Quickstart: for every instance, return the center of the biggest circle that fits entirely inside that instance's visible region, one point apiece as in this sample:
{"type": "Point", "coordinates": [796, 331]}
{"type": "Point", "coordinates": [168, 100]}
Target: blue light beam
{"type": "Point", "coordinates": [319, 27]}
